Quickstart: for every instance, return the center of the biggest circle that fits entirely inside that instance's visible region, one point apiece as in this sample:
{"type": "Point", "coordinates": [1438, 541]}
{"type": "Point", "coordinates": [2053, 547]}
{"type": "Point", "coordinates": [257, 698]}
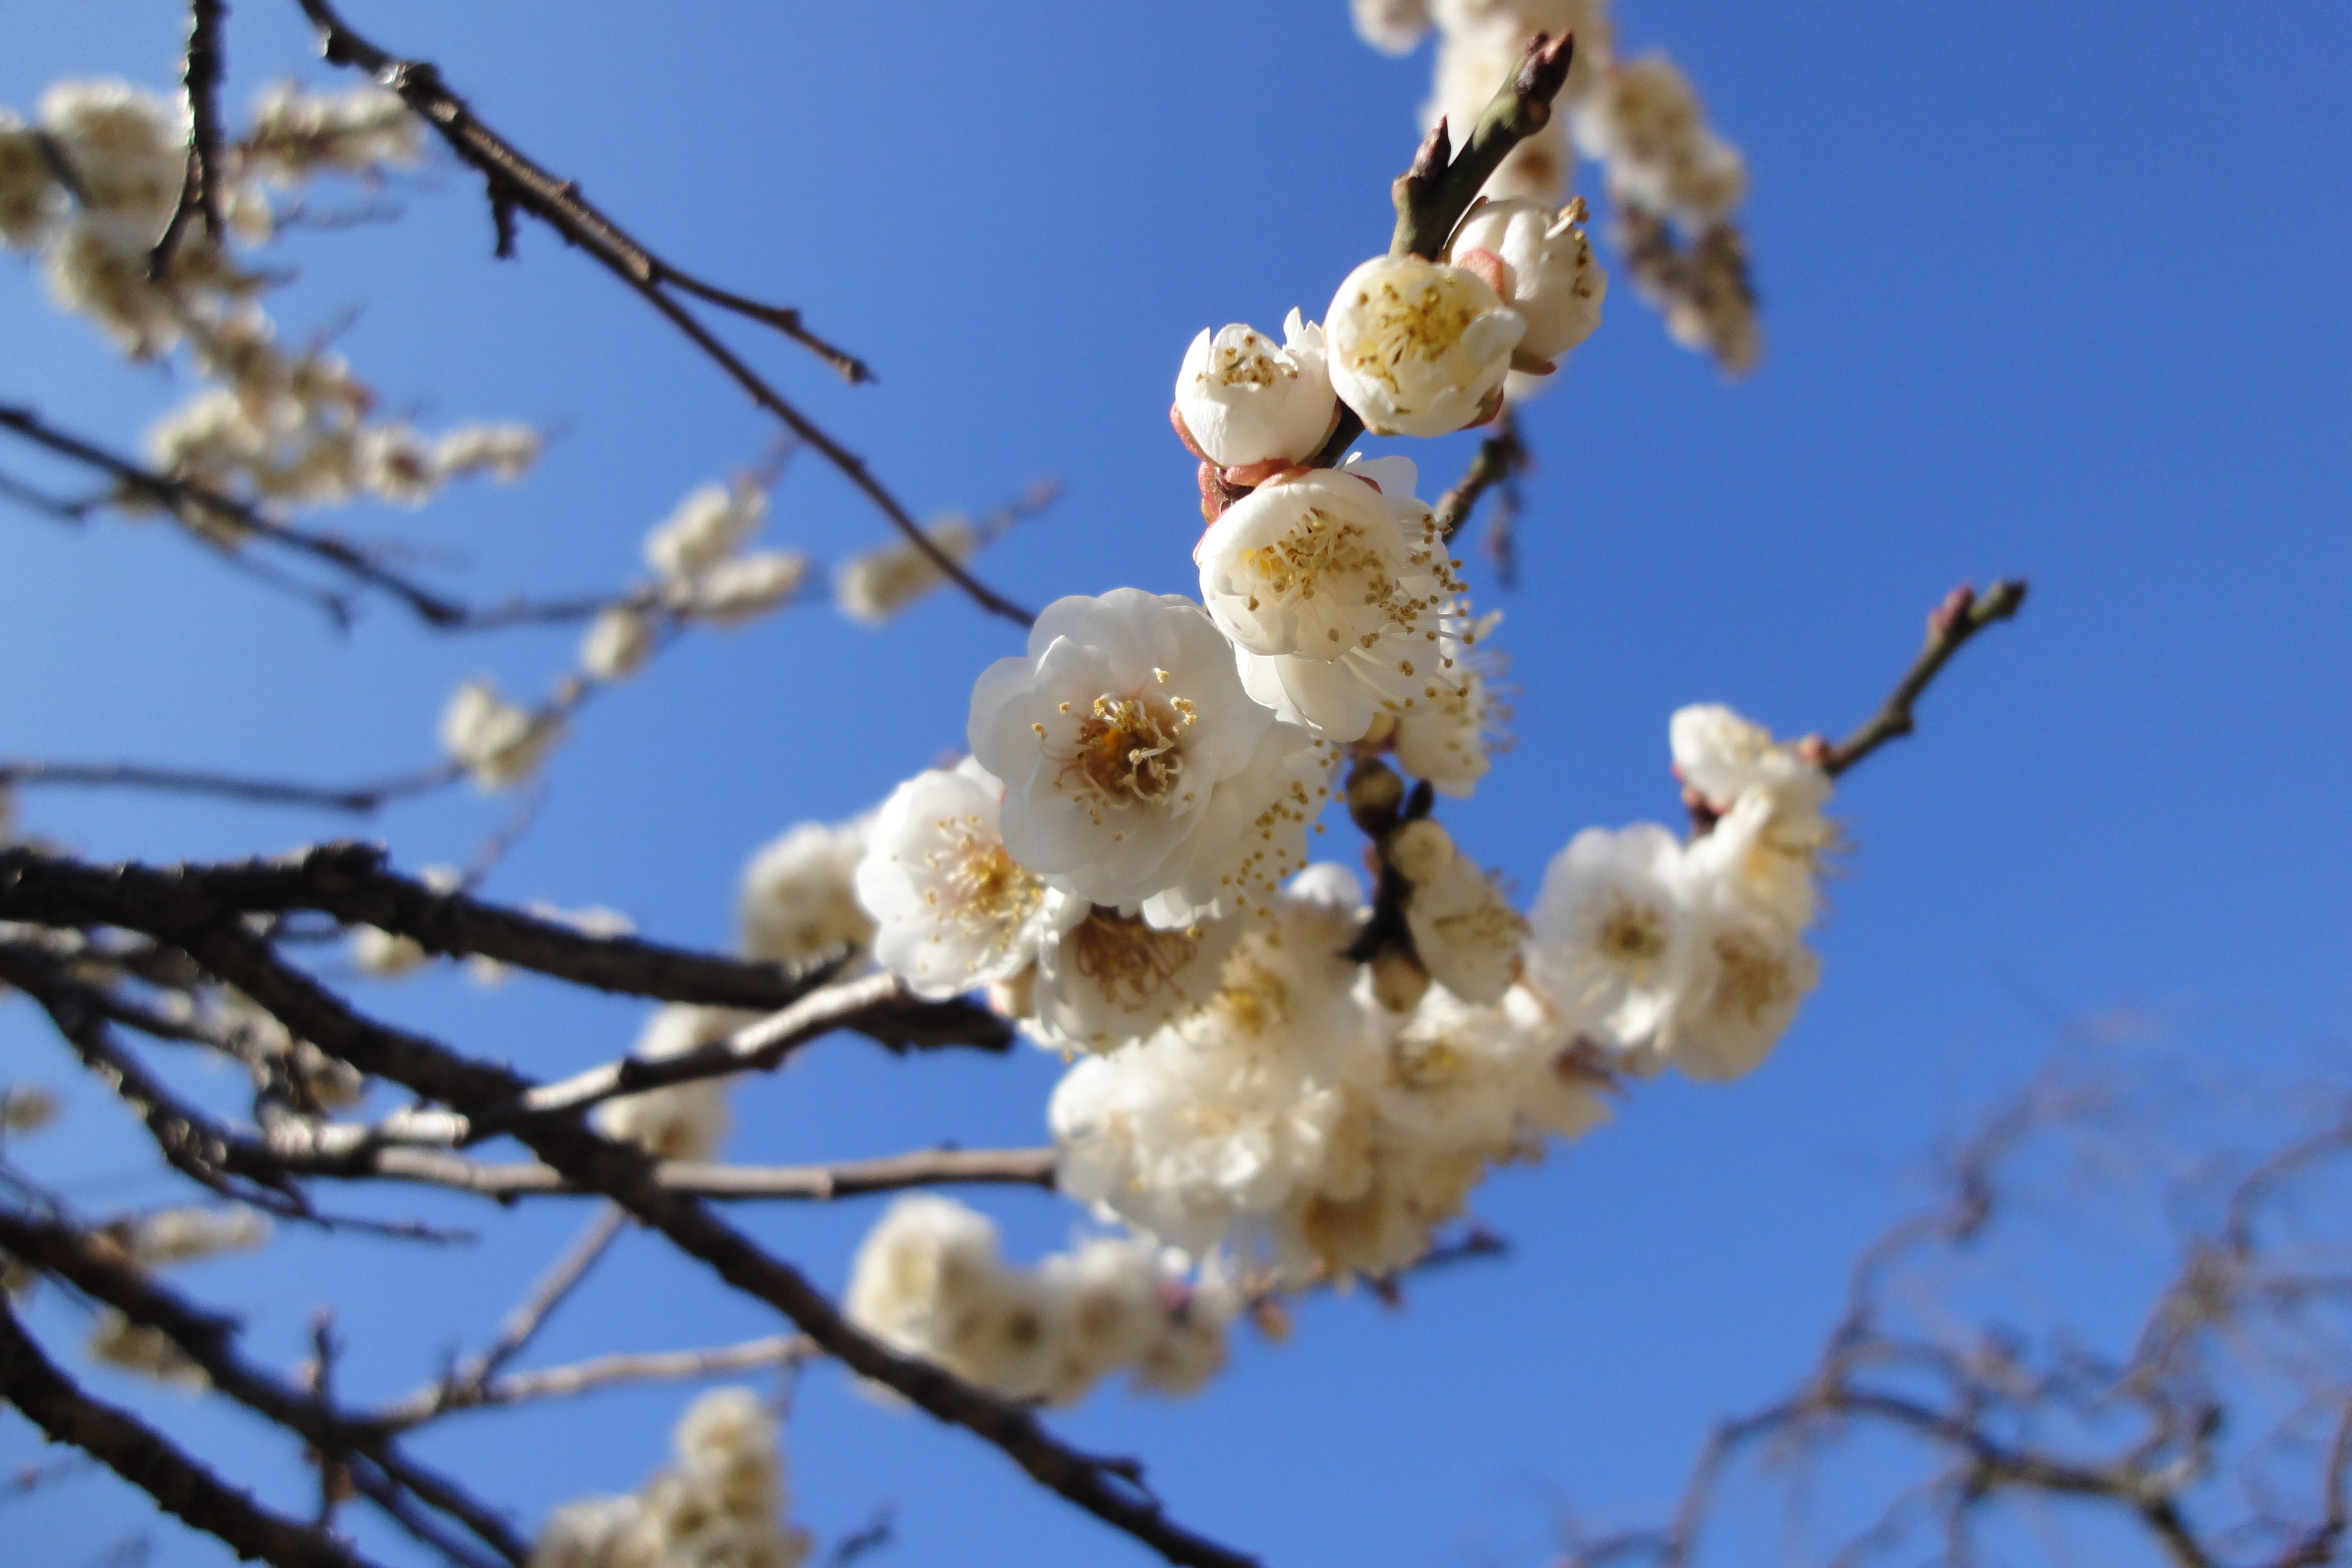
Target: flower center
{"type": "Point", "coordinates": [1753, 978]}
{"type": "Point", "coordinates": [1422, 321]}
{"type": "Point", "coordinates": [1248, 364]}
{"type": "Point", "coordinates": [1127, 752]}
{"type": "Point", "coordinates": [1631, 935]}
{"type": "Point", "coordinates": [1126, 959]}
{"type": "Point", "coordinates": [987, 888]}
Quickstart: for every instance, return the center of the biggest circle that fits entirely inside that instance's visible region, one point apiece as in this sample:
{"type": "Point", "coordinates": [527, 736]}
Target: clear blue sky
{"type": "Point", "coordinates": [2055, 290]}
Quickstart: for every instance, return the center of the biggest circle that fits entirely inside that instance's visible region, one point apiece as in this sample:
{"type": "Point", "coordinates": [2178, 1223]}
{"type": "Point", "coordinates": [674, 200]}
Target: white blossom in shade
{"type": "Point", "coordinates": [385, 955]}
{"type": "Point", "coordinates": [90, 275]}
{"type": "Point", "coordinates": [1613, 945]}
{"type": "Point", "coordinates": [30, 198]}
{"type": "Point", "coordinates": [1419, 347]}
{"type": "Point", "coordinates": [1105, 978]}
{"type": "Point", "coordinates": [1190, 1347]}
{"type": "Point", "coordinates": [728, 1441]}
{"type": "Point", "coordinates": [1465, 932]}
{"type": "Point", "coordinates": [1201, 1136]}
{"type": "Point", "coordinates": [396, 464]}
{"type": "Point", "coordinates": [1757, 973]}
{"type": "Point", "coordinates": [1451, 739]}
{"type": "Point", "coordinates": [733, 593]}
{"type": "Point", "coordinates": [616, 644]}
{"type": "Point", "coordinates": [1644, 122]}
{"type": "Point", "coordinates": [1763, 854]}
{"type": "Point", "coordinates": [1720, 754]}
{"type": "Point", "coordinates": [297, 133]}
{"type": "Point", "coordinates": [871, 588]}
{"type": "Point", "coordinates": [707, 526]}
{"type": "Point", "coordinates": [679, 1121]}
{"type": "Point", "coordinates": [499, 744]}
{"type": "Point", "coordinates": [952, 910]}
{"type": "Point", "coordinates": [504, 452]}
{"type": "Point", "coordinates": [1111, 1310]}
{"type": "Point", "coordinates": [1334, 586]}
{"type": "Point", "coordinates": [1243, 400]}
{"type": "Point", "coordinates": [120, 1341]}
{"type": "Point", "coordinates": [28, 1108]}
{"type": "Point", "coordinates": [1392, 27]}
{"type": "Point", "coordinates": [187, 1235]}
{"type": "Point", "coordinates": [1133, 761]}
{"type": "Point", "coordinates": [798, 902]}
{"type": "Point", "coordinates": [1550, 274]}
{"type": "Point", "coordinates": [596, 1533]}
{"type": "Point", "coordinates": [928, 1280]}
{"type": "Point", "coordinates": [128, 152]}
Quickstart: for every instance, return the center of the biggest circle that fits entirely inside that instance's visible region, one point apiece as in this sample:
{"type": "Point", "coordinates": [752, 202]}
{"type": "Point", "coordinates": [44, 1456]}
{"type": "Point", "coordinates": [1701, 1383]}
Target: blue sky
{"type": "Point", "coordinates": [2055, 290]}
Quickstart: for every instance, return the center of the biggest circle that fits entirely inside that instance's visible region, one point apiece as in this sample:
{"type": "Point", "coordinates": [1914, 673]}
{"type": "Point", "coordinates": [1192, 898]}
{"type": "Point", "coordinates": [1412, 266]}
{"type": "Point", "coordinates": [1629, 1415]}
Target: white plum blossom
{"type": "Point", "coordinates": [1720, 754]}
{"type": "Point", "coordinates": [1334, 586]}
{"type": "Point", "coordinates": [1242, 400]}
{"type": "Point", "coordinates": [707, 526]}
{"type": "Point", "coordinates": [1757, 973]}
{"type": "Point", "coordinates": [679, 1121]}
{"type": "Point", "coordinates": [731, 592]}
{"type": "Point", "coordinates": [187, 1235]}
{"type": "Point", "coordinates": [799, 902]}
{"type": "Point", "coordinates": [1644, 122]}
{"type": "Point", "coordinates": [871, 588]}
{"type": "Point", "coordinates": [1105, 978]}
{"type": "Point", "coordinates": [953, 912]}
{"type": "Point", "coordinates": [1612, 944]}
{"type": "Point", "coordinates": [296, 134]}
{"type": "Point", "coordinates": [31, 200]}
{"type": "Point", "coordinates": [1392, 27]}
{"type": "Point", "coordinates": [128, 152]}
{"type": "Point", "coordinates": [1548, 270]}
{"type": "Point", "coordinates": [1419, 347]}
{"type": "Point", "coordinates": [1770, 835]}
{"type": "Point", "coordinates": [719, 1503]}
{"type": "Point", "coordinates": [617, 644]}
{"type": "Point", "coordinates": [1465, 932]}
{"type": "Point", "coordinates": [1135, 767]}
{"type": "Point", "coordinates": [505, 451]}
{"type": "Point", "coordinates": [928, 1281]}
{"type": "Point", "coordinates": [497, 743]}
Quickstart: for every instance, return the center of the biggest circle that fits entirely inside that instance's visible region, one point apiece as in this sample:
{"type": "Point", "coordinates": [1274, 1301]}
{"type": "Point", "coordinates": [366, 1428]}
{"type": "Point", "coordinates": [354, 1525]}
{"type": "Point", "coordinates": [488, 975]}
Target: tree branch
{"type": "Point", "coordinates": [515, 183]}
{"type": "Point", "coordinates": [597, 1373]}
{"type": "Point", "coordinates": [200, 185]}
{"type": "Point", "coordinates": [358, 801]}
{"type": "Point", "coordinates": [1498, 458]}
{"type": "Point", "coordinates": [1433, 193]}
{"type": "Point", "coordinates": [152, 1463]}
{"type": "Point", "coordinates": [209, 1342]}
{"type": "Point", "coordinates": [1107, 1488]}
{"type": "Point", "coordinates": [1962, 616]}
{"type": "Point", "coordinates": [724, 1183]}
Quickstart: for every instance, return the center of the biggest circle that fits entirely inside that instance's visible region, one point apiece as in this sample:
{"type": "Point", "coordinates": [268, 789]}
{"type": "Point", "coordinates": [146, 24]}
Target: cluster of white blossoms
{"type": "Point", "coordinates": [1639, 119]}
{"type": "Point", "coordinates": [719, 1503]}
{"type": "Point", "coordinates": [159, 1240]}
{"type": "Point", "coordinates": [697, 552]}
{"type": "Point", "coordinates": [928, 1281]}
{"type": "Point", "coordinates": [679, 1121]}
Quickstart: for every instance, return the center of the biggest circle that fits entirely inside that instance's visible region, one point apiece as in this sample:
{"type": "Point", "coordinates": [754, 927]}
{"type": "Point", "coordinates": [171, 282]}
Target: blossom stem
{"type": "Point", "coordinates": [1963, 613]}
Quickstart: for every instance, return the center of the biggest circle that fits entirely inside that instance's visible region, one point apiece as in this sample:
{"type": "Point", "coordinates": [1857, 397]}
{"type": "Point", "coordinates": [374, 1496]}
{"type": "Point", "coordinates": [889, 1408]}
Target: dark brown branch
{"type": "Point", "coordinates": [515, 183]}
{"type": "Point", "coordinates": [351, 883]}
{"type": "Point", "coordinates": [210, 1342]}
{"type": "Point", "coordinates": [1107, 1488]}
{"type": "Point", "coordinates": [183, 499]}
{"type": "Point", "coordinates": [1438, 189]}
{"type": "Point", "coordinates": [1498, 458]}
{"type": "Point", "coordinates": [200, 185]}
{"type": "Point", "coordinates": [151, 1462]}
{"type": "Point", "coordinates": [1962, 616]}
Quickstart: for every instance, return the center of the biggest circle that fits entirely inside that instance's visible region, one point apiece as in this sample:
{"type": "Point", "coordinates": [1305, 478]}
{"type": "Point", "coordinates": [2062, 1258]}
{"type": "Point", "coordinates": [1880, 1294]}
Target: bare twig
{"type": "Point", "coordinates": [519, 1326]}
{"type": "Point", "coordinates": [1962, 616]}
{"type": "Point", "coordinates": [1107, 1489]}
{"type": "Point", "coordinates": [210, 1342]}
{"type": "Point", "coordinates": [1498, 458]}
{"type": "Point", "coordinates": [1434, 192]}
{"type": "Point", "coordinates": [200, 185]}
{"type": "Point", "coordinates": [515, 183]}
{"type": "Point", "coordinates": [296, 1151]}
{"type": "Point", "coordinates": [151, 1462]}
{"type": "Point", "coordinates": [358, 801]}
{"type": "Point", "coordinates": [598, 1373]}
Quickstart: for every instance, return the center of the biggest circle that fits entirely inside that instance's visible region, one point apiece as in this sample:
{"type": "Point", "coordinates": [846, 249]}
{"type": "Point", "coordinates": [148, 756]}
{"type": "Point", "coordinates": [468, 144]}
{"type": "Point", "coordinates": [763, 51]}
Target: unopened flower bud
{"type": "Point", "coordinates": [1242, 399]}
{"type": "Point", "coordinates": [1374, 793]}
{"type": "Point", "coordinates": [1398, 981]}
{"type": "Point", "coordinates": [1421, 851]}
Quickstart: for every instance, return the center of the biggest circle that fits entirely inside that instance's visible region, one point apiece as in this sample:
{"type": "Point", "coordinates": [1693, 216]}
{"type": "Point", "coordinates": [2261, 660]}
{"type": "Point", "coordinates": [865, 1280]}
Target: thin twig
{"type": "Point", "coordinates": [515, 183]}
{"type": "Point", "coordinates": [297, 1152]}
{"type": "Point", "coordinates": [358, 801]}
{"type": "Point", "coordinates": [519, 1326]}
{"type": "Point", "coordinates": [1962, 616]}
{"type": "Point", "coordinates": [200, 185]}
{"type": "Point", "coordinates": [1498, 458]}
{"type": "Point", "coordinates": [589, 1377]}
{"type": "Point", "coordinates": [147, 1460]}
